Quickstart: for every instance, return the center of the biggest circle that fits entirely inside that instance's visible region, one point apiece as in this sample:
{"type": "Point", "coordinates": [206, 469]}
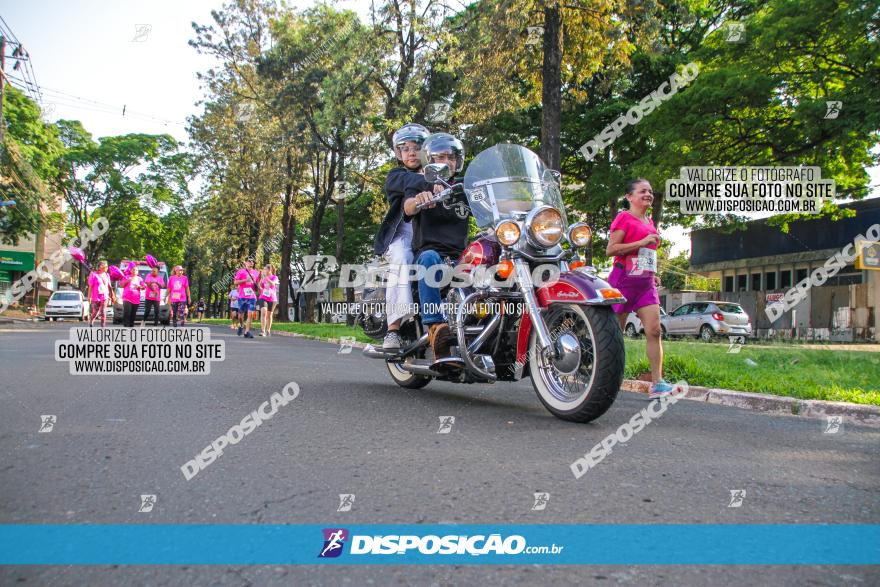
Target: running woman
{"type": "Point", "coordinates": [246, 280]}
{"type": "Point", "coordinates": [155, 284]}
{"type": "Point", "coordinates": [268, 298]}
{"type": "Point", "coordinates": [233, 307]}
{"type": "Point", "coordinates": [633, 242]}
{"type": "Point", "coordinates": [132, 285]}
{"type": "Point", "coordinates": [178, 295]}
{"type": "Point", "coordinates": [200, 309]}
{"type": "Point", "coordinates": [100, 293]}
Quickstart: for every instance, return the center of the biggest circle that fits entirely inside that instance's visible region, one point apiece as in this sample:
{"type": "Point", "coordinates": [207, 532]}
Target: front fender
{"type": "Point", "coordinates": [578, 287]}
{"type": "Point", "coordinates": [572, 287]}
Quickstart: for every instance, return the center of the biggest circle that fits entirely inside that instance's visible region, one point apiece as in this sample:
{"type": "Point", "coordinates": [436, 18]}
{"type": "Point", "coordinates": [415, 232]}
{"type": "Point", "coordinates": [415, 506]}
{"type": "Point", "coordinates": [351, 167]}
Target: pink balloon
{"type": "Point", "coordinates": [115, 273]}
{"type": "Point", "coordinates": [77, 254]}
{"type": "Point", "coordinates": [130, 269]}
{"type": "Point", "coordinates": [151, 261]}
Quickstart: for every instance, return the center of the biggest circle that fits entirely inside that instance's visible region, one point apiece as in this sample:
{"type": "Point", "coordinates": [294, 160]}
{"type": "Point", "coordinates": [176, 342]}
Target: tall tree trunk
{"type": "Point", "coordinates": [551, 87]}
{"type": "Point", "coordinates": [288, 224]}
{"type": "Point", "coordinates": [657, 209]}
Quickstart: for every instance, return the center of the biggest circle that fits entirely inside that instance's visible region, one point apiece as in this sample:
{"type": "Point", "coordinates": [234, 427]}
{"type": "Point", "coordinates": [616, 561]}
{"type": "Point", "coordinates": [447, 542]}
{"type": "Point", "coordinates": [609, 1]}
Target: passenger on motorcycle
{"type": "Point", "coordinates": [394, 239]}
{"type": "Point", "coordinates": [440, 233]}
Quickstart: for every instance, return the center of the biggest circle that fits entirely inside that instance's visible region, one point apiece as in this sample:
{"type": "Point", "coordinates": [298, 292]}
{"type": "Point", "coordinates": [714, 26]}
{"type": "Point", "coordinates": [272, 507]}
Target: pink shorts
{"type": "Point", "coordinates": [639, 290]}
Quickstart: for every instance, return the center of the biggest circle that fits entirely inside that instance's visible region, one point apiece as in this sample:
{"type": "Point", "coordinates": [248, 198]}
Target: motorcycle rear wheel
{"type": "Point", "coordinates": [587, 393]}
{"type": "Point", "coordinates": [405, 378]}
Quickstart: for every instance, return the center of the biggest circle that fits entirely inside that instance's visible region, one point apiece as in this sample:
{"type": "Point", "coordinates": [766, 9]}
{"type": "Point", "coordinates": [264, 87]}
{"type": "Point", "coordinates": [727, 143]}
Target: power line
{"type": "Point", "coordinates": [74, 101]}
{"type": "Point", "coordinates": [23, 57]}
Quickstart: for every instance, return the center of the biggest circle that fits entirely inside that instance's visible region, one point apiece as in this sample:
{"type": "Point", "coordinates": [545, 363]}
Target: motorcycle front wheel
{"type": "Point", "coordinates": [588, 391]}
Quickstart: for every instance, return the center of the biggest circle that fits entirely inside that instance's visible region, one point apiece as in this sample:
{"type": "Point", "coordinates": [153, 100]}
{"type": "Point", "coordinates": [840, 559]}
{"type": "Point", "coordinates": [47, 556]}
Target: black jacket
{"type": "Point", "coordinates": [399, 185]}
{"type": "Point", "coordinates": [443, 228]}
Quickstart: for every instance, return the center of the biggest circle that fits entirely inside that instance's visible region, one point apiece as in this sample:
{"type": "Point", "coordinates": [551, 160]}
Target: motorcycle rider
{"type": "Point", "coordinates": [394, 238]}
{"type": "Point", "coordinates": [440, 232]}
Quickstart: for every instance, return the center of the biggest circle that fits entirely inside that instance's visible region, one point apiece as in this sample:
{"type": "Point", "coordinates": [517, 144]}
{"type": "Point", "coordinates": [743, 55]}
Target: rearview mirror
{"type": "Point", "coordinates": [435, 171]}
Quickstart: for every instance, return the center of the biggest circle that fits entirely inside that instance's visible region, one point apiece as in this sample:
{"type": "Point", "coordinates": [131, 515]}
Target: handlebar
{"type": "Point", "coordinates": [441, 196]}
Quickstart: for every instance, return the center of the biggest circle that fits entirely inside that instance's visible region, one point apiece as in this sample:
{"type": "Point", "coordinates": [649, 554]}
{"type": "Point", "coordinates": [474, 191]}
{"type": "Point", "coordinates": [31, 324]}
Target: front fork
{"type": "Point", "coordinates": [527, 286]}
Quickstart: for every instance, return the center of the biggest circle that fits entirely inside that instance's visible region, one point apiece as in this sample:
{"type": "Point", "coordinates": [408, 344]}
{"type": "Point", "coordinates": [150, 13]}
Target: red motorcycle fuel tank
{"type": "Point", "coordinates": [483, 251]}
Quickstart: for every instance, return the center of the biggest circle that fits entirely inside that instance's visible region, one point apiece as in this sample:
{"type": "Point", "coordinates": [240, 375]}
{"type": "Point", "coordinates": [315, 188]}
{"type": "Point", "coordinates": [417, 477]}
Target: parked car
{"type": "Point", "coordinates": [634, 325]}
{"type": "Point", "coordinates": [707, 319]}
{"type": "Point", "coordinates": [67, 304]}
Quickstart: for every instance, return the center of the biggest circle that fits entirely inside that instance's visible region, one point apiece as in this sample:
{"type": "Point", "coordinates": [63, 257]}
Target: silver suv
{"type": "Point", "coordinates": [707, 320]}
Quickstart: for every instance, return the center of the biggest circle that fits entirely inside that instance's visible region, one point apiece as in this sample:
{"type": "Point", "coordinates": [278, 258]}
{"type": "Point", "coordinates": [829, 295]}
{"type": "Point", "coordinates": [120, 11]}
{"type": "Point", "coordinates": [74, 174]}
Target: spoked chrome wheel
{"type": "Point", "coordinates": [579, 379]}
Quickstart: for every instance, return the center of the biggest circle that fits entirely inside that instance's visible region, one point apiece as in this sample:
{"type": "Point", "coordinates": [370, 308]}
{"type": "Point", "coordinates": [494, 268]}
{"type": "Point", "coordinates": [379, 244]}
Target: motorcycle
{"type": "Point", "coordinates": [561, 333]}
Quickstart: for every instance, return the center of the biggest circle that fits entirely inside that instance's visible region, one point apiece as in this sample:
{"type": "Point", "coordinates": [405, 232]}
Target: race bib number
{"type": "Point", "coordinates": [248, 291]}
{"type": "Point", "coordinates": [178, 285]}
{"type": "Point", "coordinates": [646, 260]}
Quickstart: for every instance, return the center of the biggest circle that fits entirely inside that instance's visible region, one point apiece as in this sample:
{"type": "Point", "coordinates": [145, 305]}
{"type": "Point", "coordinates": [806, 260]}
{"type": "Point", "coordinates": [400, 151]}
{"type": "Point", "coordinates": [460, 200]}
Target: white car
{"type": "Point", "coordinates": [67, 304]}
{"type": "Point", "coordinates": [634, 326]}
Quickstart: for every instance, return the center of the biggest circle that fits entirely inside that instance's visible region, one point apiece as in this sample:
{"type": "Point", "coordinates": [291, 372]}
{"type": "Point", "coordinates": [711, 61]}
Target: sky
{"type": "Point", "coordinates": [92, 59]}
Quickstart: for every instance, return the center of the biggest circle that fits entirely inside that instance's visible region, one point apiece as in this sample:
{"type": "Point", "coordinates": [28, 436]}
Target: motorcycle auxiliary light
{"type": "Point", "coordinates": [579, 234]}
{"type": "Point", "coordinates": [508, 233]}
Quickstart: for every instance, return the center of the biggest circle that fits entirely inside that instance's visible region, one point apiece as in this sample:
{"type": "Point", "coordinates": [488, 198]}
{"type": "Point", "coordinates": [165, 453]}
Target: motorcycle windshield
{"type": "Point", "coordinates": [507, 181]}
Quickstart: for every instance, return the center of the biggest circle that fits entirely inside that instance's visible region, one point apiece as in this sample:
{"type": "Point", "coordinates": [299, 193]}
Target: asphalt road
{"type": "Point", "coordinates": [351, 430]}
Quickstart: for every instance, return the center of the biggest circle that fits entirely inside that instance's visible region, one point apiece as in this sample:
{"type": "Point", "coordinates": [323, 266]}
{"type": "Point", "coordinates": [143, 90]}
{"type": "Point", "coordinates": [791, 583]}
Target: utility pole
{"type": "Point", "coordinates": [2, 87]}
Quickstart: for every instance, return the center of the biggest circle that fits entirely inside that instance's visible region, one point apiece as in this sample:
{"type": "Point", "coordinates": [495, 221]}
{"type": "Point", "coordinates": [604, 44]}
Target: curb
{"type": "Point", "coordinates": [817, 409]}
{"type": "Point", "coordinates": [355, 344]}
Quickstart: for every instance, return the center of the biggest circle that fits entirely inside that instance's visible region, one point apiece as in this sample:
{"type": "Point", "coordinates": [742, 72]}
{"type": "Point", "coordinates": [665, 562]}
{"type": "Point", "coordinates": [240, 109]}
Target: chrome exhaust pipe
{"type": "Point", "coordinates": [419, 369]}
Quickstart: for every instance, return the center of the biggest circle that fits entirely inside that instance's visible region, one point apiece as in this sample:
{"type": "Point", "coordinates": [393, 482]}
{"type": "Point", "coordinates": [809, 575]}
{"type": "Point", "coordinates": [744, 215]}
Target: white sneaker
{"type": "Point", "coordinates": [391, 342]}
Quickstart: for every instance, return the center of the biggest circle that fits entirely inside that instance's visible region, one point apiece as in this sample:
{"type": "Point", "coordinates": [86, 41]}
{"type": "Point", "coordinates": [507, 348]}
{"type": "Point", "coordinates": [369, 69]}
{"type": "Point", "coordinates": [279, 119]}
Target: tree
{"type": "Point", "coordinates": [26, 172]}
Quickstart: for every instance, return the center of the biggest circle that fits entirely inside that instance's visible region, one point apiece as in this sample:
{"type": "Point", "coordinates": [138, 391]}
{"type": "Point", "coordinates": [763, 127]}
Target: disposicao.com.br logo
{"type": "Point", "coordinates": [431, 544]}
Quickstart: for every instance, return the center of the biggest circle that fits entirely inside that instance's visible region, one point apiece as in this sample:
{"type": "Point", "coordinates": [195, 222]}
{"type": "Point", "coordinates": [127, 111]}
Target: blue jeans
{"type": "Point", "coordinates": [430, 295]}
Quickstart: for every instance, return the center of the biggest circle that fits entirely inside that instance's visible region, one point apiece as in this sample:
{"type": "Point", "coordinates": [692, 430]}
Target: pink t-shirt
{"type": "Point", "coordinates": [635, 230]}
{"type": "Point", "coordinates": [154, 286]}
{"type": "Point", "coordinates": [269, 288]}
{"type": "Point", "coordinates": [177, 285]}
{"type": "Point", "coordinates": [246, 290]}
{"type": "Point", "coordinates": [131, 292]}
{"type": "Point", "coordinates": [99, 287]}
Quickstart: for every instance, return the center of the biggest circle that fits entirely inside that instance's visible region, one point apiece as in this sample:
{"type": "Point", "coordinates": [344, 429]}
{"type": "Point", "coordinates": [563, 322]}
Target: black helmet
{"type": "Point", "coordinates": [406, 133]}
{"type": "Point", "coordinates": [442, 142]}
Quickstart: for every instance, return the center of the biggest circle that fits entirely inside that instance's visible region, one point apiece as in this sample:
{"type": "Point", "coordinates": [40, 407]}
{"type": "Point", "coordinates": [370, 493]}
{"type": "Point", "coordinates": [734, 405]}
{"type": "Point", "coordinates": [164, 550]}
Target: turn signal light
{"type": "Point", "coordinates": [610, 293]}
{"type": "Point", "coordinates": [576, 264]}
{"type": "Point", "coordinates": [505, 269]}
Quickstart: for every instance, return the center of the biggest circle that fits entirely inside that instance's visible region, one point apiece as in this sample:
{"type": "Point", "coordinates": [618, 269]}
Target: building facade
{"type": "Point", "coordinates": [758, 263]}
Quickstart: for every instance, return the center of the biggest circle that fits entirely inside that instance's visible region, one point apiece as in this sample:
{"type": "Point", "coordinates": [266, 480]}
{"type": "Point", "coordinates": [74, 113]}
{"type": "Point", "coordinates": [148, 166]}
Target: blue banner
{"type": "Point", "coordinates": [612, 544]}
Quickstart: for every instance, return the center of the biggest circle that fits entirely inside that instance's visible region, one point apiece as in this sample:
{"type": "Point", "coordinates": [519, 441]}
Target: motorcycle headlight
{"type": "Point", "coordinates": [544, 226]}
{"type": "Point", "coordinates": [579, 234]}
{"type": "Point", "coordinates": [507, 233]}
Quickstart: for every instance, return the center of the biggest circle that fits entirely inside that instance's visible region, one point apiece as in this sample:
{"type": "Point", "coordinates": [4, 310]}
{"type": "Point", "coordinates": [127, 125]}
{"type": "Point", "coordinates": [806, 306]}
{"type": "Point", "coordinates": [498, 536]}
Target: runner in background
{"type": "Point", "coordinates": [154, 284]}
{"type": "Point", "coordinates": [100, 292]}
{"type": "Point", "coordinates": [246, 280]}
{"type": "Point", "coordinates": [633, 242]}
{"type": "Point", "coordinates": [178, 295]}
{"type": "Point", "coordinates": [200, 309]}
{"type": "Point", "coordinates": [132, 285]}
{"type": "Point", "coordinates": [268, 298]}
{"type": "Point", "coordinates": [233, 307]}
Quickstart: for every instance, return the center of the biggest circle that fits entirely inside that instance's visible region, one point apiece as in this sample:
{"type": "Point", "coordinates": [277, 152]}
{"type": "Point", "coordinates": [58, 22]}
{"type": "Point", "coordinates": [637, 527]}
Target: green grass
{"type": "Point", "coordinates": [319, 330]}
{"type": "Point", "coordinates": [847, 376]}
